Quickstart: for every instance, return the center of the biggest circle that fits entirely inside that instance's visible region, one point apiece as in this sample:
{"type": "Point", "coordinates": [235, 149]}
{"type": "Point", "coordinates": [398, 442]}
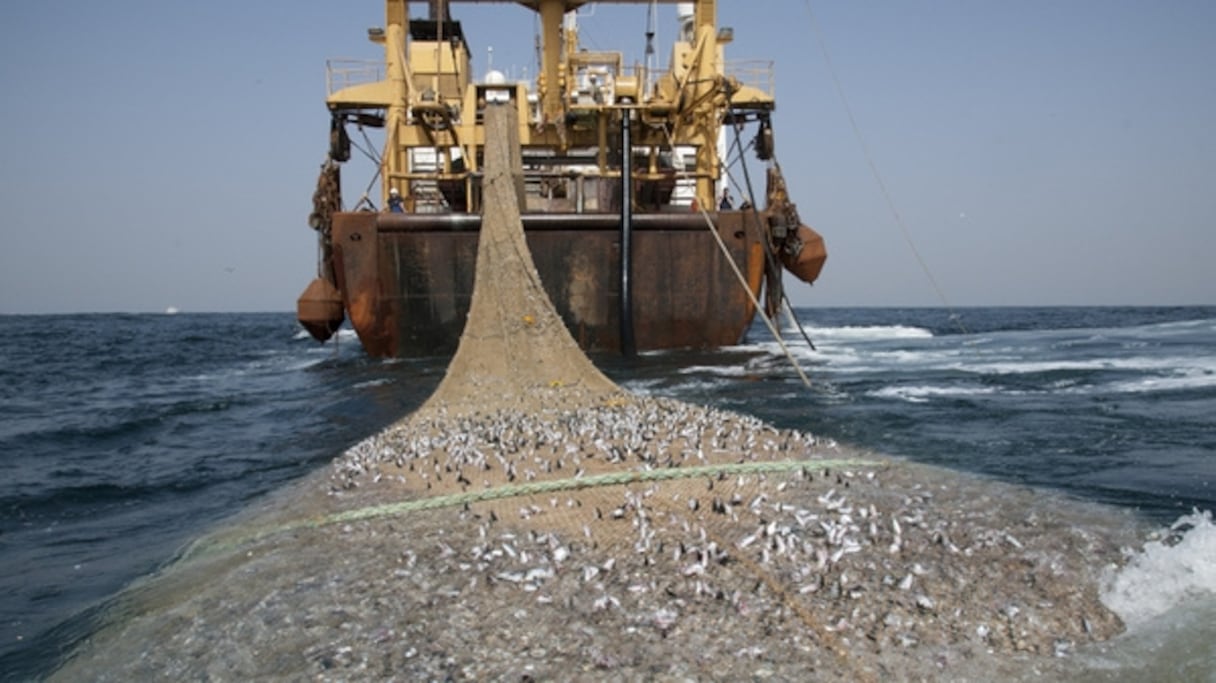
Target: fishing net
{"type": "Point", "coordinates": [534, 520]}
{"type": "Point", "coordinates": [515, 352]}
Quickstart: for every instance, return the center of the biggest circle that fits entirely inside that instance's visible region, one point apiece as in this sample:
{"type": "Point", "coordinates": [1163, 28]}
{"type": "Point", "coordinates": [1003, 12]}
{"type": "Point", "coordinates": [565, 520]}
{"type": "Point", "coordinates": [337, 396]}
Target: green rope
{"type": "Point", "coordinates": [541, 487]}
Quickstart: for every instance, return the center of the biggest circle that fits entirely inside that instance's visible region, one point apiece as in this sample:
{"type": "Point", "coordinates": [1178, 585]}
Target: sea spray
{"type": "Point", "coordinates": [1179, 567]}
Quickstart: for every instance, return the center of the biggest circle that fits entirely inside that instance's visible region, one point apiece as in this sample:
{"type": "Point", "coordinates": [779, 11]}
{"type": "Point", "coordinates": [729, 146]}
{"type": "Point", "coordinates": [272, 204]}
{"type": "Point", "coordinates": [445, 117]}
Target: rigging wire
{"type": "Point", "coordinates": [536, 43]}
{"type": "Point", "coordinates": [709, 224]}
{"type": "Point", "coordinates": [367, 191]}
{"type": "Point", "coordinates": [882, 186]}
{"type": "Point", "coordinates": [370, 151]}
{"type": "Point", "coordinates": [651, 21]}
{"type": "Point", "coordinates": [751, 198]}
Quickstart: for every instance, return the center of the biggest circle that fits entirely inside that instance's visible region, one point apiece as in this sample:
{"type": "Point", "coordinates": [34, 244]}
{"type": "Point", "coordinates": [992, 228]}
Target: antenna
{"type": "Point", "coordinates": [651, 20]}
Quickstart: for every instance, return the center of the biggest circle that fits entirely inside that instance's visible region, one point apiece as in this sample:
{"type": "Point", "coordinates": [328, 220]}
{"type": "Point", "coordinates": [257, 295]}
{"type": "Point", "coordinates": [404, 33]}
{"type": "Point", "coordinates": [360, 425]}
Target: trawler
{"type": "Point", "coordinates": [625, 190]}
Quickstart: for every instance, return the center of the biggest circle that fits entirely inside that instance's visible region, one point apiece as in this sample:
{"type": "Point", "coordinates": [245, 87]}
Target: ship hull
{"type": "Point", "coordinates": [406, 280]}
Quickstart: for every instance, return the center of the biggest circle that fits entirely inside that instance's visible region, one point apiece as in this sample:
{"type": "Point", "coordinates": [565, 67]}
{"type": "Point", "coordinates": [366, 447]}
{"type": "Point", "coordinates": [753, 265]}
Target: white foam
{"type": "Point", "coordinates": [1200, 324]}
{"type": "Point", "coordinates": [937, 358]}
{"type": "Point", "coordinates": [922, 393]}
{"type": "Point", "coordinates": [643, 386]}
{"type": "Point", "coordinates": [1165, 575]}
{"type": "Point", "coordinates": [666, 388]}
{"type": "Point", "coordinates": [1018, 367]}
{"type": "Point", "coordinates": [1189, 380]}
{"type": "Point", "coordinates": [373, 383]}
{"type": "Point", "coordinates": [343, 334]}
{"type": "Point", "coordinates": [720, 370]}
{"type": "Point", "coordinates": [698, 387]}
{"type": "Point", "coordinates": [868, 332]}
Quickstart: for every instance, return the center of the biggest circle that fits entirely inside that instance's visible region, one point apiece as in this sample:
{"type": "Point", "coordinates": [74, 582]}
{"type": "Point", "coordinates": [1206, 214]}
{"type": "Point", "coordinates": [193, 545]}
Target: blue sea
{"type": "Point", "coordinates": [122, 437]}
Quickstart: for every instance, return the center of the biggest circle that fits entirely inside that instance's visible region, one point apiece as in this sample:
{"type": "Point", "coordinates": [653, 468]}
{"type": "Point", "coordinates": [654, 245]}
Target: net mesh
{"type": "Point", "coordinates": [515, 352]}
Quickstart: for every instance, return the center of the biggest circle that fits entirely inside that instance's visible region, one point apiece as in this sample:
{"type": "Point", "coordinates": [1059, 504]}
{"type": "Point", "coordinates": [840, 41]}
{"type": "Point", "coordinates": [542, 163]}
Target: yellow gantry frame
{"type": "Point", "coordinates": [685, 108]}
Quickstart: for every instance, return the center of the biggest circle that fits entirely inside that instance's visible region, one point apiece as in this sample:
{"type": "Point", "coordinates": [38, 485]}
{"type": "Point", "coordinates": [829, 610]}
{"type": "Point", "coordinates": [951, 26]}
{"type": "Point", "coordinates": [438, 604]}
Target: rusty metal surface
{"type": "Point", "coordinates": [356, 246]}
{"type": "Point", "coordinates": [807, 262]}
{"type": "Point", "coordinates": [407, 286]}
{"type": "Point", "coordinates": [320, 309]}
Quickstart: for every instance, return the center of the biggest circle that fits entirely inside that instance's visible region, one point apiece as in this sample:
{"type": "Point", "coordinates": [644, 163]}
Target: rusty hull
{"type": "Point", "coordinates": [407, 279]}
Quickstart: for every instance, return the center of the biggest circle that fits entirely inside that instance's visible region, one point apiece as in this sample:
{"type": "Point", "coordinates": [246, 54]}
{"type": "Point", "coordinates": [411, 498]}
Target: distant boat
{"type": "Point", "coordinates": [172, 310]}
{"type": "Point", "coordinates": [618, 164]}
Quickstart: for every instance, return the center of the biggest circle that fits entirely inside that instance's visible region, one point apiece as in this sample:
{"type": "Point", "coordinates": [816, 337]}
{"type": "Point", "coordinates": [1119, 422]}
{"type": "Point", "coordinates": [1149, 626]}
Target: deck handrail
{"type": "Point", "coordinates": [757, 73]}
{"type": "Point", "coordinates": [345, 72]}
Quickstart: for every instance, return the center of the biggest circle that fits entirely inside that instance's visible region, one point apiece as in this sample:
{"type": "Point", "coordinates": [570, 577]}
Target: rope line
{"type": "Point", "coordinates": [768, 256]}
{"type": "Point", "coordinates": [709, 224]}
{"type": "Point", "coordinates": [882, 185]}
{"type": "Point", "coordinates": [594, 481]}
{"type": "Point", "coordinates": [534, 488]}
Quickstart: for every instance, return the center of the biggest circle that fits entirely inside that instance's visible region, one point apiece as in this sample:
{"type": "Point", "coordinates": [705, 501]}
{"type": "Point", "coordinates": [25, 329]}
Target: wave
{"type": "Point", "coordinates": [125, 423]}
{"type": "Point", "coordinates": [1181, 382]}
{"type": "Point", "coordinates": [684, 387]}
{"type": "Point", "coordinates": [1152, 363]}
{"type": "Point", "coordinates": [52, 500]}
{"type": "Point", "coordinates": [848, 359]}
{"type": "Point", "coordinates": [1167, 573]}
{"type": "Point", "coordinates": [719, 370]}
{"type": "Point", "coordinates": [922, 393]}
{"type": "Point", "coordinates": [269, 363]}
{"type": "Point", "coordinates": [343, 334]}
{"type": "Point", "coordinates": [377, 382]}
{"type": "Point", "coordinates": [1198, 324]}
{"type": "Point", "coordinates": [867, 332]}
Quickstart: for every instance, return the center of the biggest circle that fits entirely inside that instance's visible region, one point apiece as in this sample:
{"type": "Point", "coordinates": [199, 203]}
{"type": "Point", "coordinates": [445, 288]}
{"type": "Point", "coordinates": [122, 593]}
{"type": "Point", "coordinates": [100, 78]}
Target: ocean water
{"type": "Point", "coordinates": [122, 437]}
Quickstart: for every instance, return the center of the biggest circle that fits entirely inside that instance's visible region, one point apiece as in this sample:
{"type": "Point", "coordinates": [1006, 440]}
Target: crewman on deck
{"type": "Point", "coordinates": [726, 204]}
{"type": "Point", "coordinates": [395, 203]}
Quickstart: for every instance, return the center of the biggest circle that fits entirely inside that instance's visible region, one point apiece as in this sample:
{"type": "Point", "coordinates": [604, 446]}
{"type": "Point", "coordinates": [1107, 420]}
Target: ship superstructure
{"type": "Point", "coordinates": [623, 185]}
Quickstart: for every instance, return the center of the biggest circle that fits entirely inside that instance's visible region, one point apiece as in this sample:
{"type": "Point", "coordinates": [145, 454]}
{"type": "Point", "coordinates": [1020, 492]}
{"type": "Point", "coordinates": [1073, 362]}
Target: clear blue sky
{"type": "Point", "coordinates": [164, 153]}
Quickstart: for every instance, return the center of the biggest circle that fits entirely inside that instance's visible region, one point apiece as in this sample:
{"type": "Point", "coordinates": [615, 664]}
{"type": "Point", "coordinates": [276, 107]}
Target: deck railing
{"type": "Point", "coordinates": [758, 73]}
{"type": "Point", "coordinates": [343, 73]}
